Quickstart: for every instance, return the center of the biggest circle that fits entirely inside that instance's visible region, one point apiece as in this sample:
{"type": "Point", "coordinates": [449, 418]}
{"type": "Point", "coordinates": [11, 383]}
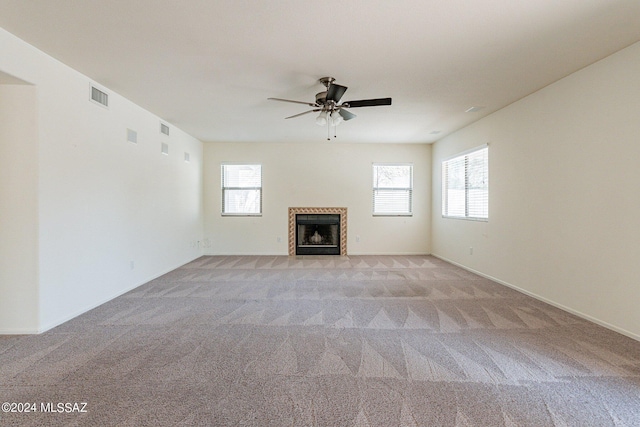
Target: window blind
{"type": "Point", "coordinates": [241, 189]}
{"type": "Point", "coordinates": [465, 185]}
{"type": "Point", "coordinates": [392, 189]}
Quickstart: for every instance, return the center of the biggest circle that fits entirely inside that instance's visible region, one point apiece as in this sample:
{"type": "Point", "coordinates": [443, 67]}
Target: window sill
{"type": "Point", "coordinates": [464, 218]}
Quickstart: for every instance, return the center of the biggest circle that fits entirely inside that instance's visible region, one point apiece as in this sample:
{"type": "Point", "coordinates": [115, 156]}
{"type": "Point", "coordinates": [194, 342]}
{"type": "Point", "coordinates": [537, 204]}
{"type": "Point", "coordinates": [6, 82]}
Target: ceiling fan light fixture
{"type": "Point", "coordinates": [336, 118]}
{"type": "Point", "coordinates": [321, 120]}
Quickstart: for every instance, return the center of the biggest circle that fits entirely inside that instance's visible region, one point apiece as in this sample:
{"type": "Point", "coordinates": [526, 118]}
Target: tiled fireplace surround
{"type": "Point", "coordinates": [311, 211]}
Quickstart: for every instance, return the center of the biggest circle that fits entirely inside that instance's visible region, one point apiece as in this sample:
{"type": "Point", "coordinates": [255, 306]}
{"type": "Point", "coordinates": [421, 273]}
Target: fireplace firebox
{"type": "Point", "coordinates": [317, 234]}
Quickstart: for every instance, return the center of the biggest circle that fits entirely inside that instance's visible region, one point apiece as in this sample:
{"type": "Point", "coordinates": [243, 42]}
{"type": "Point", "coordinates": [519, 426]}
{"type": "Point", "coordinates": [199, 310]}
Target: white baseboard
{"type": "Point", "coordinates": [388, 254]}
{"type": "Point", "coordinates": [18, 331]}
{"type": "Point", "coordinates": [348, 254]}
{"type": "Point", "coordinates": [248, 254]}
{"type": "Point", "coordinates": [545, 300]}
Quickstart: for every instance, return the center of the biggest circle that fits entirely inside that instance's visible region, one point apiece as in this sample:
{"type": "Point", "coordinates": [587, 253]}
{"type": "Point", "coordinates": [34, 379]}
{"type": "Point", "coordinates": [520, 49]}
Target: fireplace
{"type": "Point", "coordinates": [317, 231]}
{"type": "Point", "coordinates": [318, 234]}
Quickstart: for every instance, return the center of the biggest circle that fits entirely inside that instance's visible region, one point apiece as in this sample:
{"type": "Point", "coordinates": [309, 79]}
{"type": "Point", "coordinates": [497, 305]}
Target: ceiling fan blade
{"type": "Point", "coordinates": [367, 102]}
{"type": "Point", "coordinates": [306, 112]}
{"type": "Point", "coordinates": [335, 92]}
{"type": "Point", "coordinates": [295, 102]}
{"type": "Point", "coordinates": [346, 115]}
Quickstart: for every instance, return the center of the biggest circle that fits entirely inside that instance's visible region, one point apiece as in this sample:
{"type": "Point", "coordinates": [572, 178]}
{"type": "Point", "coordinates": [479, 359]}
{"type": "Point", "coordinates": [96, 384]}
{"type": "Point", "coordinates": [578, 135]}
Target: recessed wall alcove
{"type": "Point", "coordinates": [341, 212]}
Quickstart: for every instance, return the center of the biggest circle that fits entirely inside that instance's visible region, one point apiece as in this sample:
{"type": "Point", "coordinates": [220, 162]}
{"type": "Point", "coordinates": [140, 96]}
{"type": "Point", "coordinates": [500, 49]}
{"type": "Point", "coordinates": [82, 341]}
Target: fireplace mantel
{"type": "Point", "coordinates": [310, 211]}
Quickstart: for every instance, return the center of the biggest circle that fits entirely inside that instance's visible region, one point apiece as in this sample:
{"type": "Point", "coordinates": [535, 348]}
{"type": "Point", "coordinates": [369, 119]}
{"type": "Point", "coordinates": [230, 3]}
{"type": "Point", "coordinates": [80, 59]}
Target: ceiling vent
{"type": "Point", "coordinates": [164, 129]}
{"type": "Point", "coordinates": [99, 97]}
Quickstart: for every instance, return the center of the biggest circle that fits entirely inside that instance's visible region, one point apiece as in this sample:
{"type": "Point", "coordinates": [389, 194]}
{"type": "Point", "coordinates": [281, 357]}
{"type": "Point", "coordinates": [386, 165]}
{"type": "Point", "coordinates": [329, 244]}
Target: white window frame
{"type": "Point", "coordinates": [461, 161]}
{"type": "Point", "coordinates": [377, 188]}
{"type": "Point", "coordinates": [228, 188]}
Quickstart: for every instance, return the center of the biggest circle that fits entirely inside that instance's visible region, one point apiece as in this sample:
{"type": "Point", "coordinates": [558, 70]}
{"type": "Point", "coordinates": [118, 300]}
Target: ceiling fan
{"type": "Point", "coordinates": [327, 103]}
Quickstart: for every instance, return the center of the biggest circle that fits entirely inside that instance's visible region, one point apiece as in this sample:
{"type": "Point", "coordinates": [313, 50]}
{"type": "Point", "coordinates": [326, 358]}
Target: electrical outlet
{"type": "Point", "coordinates": [132, 265]}
{"type": "Point", "coordinates": [470, 250]}
{"type": "Point", "coordinates": [278, 239]}
{"type": "Point", "coordinates": [357, 238]}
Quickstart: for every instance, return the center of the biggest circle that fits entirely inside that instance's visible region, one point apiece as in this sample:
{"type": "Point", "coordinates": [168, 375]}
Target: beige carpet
{"type": "Point", "coordinates": [325, 341]}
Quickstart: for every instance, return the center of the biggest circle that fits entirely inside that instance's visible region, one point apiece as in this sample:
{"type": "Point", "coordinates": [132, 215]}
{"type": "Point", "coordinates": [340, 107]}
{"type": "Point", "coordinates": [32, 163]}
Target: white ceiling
{"type": "Point", "coordinates": [208, 66]}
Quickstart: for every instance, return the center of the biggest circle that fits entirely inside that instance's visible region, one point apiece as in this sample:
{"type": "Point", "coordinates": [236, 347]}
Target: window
{"type": "Point", "coordinates": [241, 189]}
{"type": "Point", "coordinates": [392, 189]}
{"type": "Point", "coordinates": [465, 185]}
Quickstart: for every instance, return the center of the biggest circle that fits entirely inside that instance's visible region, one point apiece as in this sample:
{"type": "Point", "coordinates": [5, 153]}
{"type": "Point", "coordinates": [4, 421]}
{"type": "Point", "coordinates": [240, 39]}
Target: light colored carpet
{"type": "Point", "coordinates": [324, 341]}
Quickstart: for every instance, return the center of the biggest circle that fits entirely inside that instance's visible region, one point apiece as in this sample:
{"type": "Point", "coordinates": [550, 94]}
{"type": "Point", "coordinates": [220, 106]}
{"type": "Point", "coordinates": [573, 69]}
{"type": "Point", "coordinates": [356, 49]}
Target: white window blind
{"type": "Point", "coordinates": [465, 185]}
{"type": "Point", "coordinates": [241, 189]}
{"type": "Point", "coordinates": [392, 189]}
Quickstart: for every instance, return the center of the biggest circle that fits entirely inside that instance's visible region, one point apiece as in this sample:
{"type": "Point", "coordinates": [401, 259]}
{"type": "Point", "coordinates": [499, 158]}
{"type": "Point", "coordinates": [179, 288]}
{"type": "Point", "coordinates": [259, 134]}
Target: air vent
{"type": "Point", "coordinates": [99, 97]}
{"type": "Point", "coordinates": [187, 157]}
{"type": "Point", "coordinates": [165, 148]}
{"type": "Point", "coordinates": [164, 129]}
{"type": "Point", "coordinates": [132, 136]}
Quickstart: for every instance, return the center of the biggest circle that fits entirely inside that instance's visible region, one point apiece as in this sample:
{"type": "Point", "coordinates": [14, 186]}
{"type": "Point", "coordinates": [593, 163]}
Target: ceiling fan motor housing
{"type": "Point", "coordinates": [321, 98]}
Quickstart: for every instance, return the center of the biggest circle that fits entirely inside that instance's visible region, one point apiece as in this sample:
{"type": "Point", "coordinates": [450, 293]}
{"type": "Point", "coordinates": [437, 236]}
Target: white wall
{"type": "Point", "coordinates": [326, 174]}
{"type": "Point", "coordinates": [111, 214]}
{"type": "Point", "coordinates": [564, 198]}
{"type": "Point", "coordinates": [18, 208]}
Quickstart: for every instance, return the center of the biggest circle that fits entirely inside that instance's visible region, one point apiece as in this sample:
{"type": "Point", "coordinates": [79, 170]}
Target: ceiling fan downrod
{"type": "Point", "coordinates": [326, 81]}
